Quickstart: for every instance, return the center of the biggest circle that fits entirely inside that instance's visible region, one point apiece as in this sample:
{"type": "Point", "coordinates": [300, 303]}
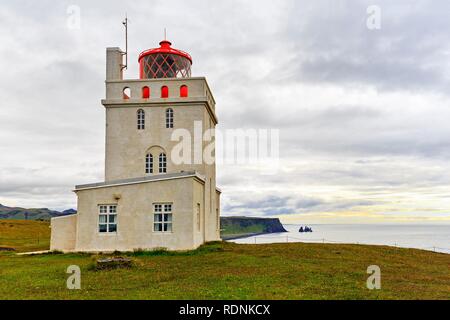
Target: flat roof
{"type": "Point", "coordinates": [160, 177]}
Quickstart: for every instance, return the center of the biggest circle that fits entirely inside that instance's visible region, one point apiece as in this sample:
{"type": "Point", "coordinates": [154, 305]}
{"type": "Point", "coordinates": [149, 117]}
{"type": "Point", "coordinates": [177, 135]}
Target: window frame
{"type": "Point", "coordinates": [170, 115]}
{"type": "Point", "coordinates": [126, 93]}
{"type": "Point", "coordinates": [110, 210]}
{"type": "Point", "coordinates": [184, 91]}
{"type": "Point", "coordinates": [140, 118]}
{"type": "Point", "coordinates": [164, 92]}
{"type": "Point", "coordinates": [146, 93]}
{"type": "Point", "coordinates": [162, 163]}
{"type": "Point", "coordinates": [149, 164]}
{"type": "Point", "coordinates": [165, 210]}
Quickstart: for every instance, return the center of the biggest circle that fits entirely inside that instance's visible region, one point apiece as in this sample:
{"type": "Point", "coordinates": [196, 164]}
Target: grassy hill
{"type": "Point", "coordinates": [31, 214]}
{"type": "Point", "coordinates": [224, 271]}
{"type": "Point", "coordinates": [23, 236]}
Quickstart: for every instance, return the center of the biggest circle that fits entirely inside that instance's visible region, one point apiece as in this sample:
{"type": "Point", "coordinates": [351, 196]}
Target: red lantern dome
{"type": "Point", "coordinates": [164, 62]}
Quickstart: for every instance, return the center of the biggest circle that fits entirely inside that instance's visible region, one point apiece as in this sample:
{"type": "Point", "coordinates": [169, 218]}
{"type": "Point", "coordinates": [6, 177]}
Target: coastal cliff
{"type": "Point", "coordinates": [240, 227]}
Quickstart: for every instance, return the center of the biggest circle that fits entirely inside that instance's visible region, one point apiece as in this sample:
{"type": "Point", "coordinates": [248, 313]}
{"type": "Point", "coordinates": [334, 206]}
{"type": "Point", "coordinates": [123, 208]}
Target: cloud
{"type": "Point", "coordinates": [308, 203]}
{"type": "Point", "coordinates": [259, 205]}
{"type": "Point", "coordinates": [255, 203]}
{"type": "Point", "coordinates": [363, 115]}
{"type": "Point", "coordinates": [335, 46]}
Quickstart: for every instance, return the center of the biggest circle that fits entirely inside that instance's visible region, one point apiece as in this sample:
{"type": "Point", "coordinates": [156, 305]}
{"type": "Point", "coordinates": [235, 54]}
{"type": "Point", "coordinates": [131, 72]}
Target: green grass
{"type": "Point", "coordinates": [232, 271]}
{"type": "Point", "coordinates": [241, 227]}
{"type": "Point", "coordinates": [23, 235]}
{"type": "Point", "coordinates": [237, 231]}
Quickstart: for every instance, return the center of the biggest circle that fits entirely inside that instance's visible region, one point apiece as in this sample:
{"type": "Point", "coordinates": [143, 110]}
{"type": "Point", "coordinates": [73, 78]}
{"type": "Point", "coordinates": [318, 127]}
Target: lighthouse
{"type": "Point", "coordinates": [147, 200]}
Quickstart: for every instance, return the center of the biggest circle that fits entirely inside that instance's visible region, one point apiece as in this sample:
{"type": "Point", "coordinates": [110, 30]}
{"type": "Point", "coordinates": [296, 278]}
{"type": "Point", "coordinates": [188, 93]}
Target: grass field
{"type": "Point", "coordinates": [24, 235]}
{"type": "Point", "coordinates": [223, 271]}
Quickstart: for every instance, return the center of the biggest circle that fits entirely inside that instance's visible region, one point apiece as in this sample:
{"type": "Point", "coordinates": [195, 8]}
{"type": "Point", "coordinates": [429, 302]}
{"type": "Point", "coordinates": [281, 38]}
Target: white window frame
{"type": "Point", "coordinates": [163, 217]}
{"type": "Point", "coordinates": [149, 164]}
{"type": "Point", "coordinates": [141, 119]}
{"type": "Point", "coordinates": [162, 163]}
{"type": "Point", "coordinates": [109, 211]}
{"type": "Point", "coordinates": [169, 118]}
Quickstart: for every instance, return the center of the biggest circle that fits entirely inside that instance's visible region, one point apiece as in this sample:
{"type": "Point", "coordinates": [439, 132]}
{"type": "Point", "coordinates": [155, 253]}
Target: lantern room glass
{"type": "Point", "coordinates": [165, 65]}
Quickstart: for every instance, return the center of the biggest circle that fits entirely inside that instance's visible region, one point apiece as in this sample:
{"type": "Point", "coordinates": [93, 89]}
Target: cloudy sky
{"type": "Point", "coordinates": [363, 114]}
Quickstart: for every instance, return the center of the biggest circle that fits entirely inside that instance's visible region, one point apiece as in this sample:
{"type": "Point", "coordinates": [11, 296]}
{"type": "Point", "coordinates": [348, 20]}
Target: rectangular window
{"type": "Point", "coordinates": [169, 118]}
{"type": "Point", "coordinates": [162, 217]}
{"type": "Point", "coordinates": [149, 164]}
{"type": "Point", "coordinates": [107, 218]}
{"type": "Point", "coordinates": [198, 217]}
{"type": "Point", "coordinates": [162, 163]}
{"type": "Point", "coordinates": [141, 119]}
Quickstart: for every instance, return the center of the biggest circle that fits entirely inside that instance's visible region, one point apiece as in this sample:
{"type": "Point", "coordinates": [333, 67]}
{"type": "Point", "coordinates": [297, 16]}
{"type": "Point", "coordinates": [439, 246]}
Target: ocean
{"type": "Point", "coordinates": [426, 237]}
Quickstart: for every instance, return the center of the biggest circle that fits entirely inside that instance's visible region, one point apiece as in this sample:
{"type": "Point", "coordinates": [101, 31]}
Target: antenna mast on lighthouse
{"type": "Point", "coordinates": [125, 23]}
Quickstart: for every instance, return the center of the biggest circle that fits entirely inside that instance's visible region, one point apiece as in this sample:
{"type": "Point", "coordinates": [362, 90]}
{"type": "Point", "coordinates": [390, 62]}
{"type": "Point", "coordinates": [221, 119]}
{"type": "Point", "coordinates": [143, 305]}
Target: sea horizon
{"type": "Point", "coordinates": [430, 237]}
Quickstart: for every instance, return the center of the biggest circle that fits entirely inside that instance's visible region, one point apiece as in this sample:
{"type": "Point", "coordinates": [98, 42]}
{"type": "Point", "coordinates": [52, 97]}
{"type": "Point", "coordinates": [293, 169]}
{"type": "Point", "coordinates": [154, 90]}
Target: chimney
{"type": "Point", "coordinates": [114, 64]}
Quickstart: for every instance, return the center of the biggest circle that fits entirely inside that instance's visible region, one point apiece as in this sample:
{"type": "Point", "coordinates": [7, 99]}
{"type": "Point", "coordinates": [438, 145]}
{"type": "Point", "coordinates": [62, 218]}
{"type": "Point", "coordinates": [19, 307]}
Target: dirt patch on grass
{"type": "Point", "coordinates": [7, 249]}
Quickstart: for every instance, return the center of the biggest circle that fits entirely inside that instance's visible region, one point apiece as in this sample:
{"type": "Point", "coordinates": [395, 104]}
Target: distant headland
{"type": "Point", "coordinates": [242, 227]}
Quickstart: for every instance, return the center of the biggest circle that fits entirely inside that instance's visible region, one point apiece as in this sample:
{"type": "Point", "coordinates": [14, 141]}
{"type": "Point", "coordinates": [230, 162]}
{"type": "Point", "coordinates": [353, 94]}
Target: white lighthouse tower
{"type": "Point", "coordinates": [147, 200]}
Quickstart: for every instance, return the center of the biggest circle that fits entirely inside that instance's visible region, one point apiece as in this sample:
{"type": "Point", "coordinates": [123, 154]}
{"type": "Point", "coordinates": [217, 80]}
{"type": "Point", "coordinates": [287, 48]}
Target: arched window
{"type": "Point", "coordinates": [141, 119]}
{"type": "Point", "coordinates": [149, 164]}
{"type": "Point", "coordinates": [126, 93]}
{"type": "Point", "coordinates": [164, 92]}
{"type": "Point", "coordinates": [183, 91]}
{"type": "Point", "coordinates": [169, 118]}
{"type": "Point", "coordinates": [162, 163]}
{"type": "Point", "coordinates": [145, 92]}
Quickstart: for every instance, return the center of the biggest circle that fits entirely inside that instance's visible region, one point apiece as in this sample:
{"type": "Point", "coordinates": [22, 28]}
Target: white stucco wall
{"type": "Point", "coordinates": [126, 146]}
{"type": "Point", "coordinates": [63, 233]}
{"type": "Point", "coordinates": [135, 216]}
